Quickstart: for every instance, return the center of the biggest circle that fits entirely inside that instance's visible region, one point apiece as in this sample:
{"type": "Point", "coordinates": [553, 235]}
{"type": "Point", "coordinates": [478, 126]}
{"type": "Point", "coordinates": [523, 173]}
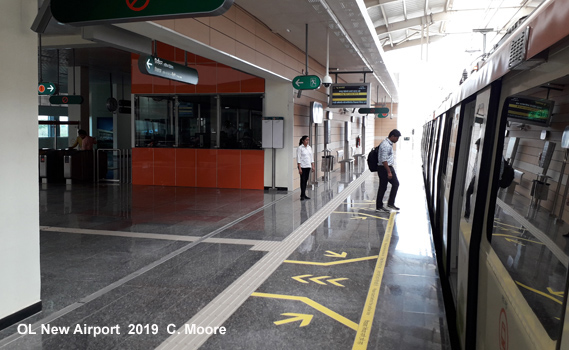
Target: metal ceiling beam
{"type": "Point", "coordinates": [411, 43]}
{"type": "Point", "coordinates": [436, 17]}
{"type": "Point", "coordinates": [373, 3]}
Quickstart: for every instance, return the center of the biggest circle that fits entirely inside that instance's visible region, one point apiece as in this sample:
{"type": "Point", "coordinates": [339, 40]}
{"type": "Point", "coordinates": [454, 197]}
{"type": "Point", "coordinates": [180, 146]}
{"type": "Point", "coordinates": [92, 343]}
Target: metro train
{"type": "Point", "coordinates": [503, 252]}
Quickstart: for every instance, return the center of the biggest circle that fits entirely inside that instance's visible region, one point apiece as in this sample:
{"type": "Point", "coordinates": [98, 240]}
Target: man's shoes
{"type": "Point", "coordinates": [393, 207]}
{"type": "Point", "coordinates": [382, 210]}
{"type": "Point", "coordinates": [306, 197]}
{"type": "Point", "coordinates": [301, 198]}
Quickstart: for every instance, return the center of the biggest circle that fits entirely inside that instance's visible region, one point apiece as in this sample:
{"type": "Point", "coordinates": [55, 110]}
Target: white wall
{"type": "Point", "coordinates": [278, 102]}
{"type": "Point", "coordinates": [19, 207]}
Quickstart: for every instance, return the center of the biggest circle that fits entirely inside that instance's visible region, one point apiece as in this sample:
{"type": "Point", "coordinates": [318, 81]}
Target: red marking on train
{"type": "Point", "coordinates": [503, 330]}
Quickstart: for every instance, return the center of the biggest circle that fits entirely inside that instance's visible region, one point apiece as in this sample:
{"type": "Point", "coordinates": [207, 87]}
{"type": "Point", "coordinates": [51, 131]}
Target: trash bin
{"type": "Point", "coordinates": [540, 190]}
{"type": "Point", "coordinates": [327, 163]}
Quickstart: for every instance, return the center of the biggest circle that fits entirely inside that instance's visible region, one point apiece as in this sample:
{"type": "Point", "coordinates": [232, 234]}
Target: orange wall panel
{"type": "Point", "coordinates": [252, 169]}
{"type": "Point", "coordinates": [186, 167]}
{"type": "Point", "coordinates": [207, 78]}
{"type": "Point", "coordinates": [228, 168]}
{"type": "Point", "coordinates": [164, 167]}
{"type": "Point", "coordinates": [206, 168]}
{"type": "Point", "coordinates": [141, 83]}
{"type": "Point", "coordinates": [228, 79]}
{"type": "Point", "coordinates": [143, 166]}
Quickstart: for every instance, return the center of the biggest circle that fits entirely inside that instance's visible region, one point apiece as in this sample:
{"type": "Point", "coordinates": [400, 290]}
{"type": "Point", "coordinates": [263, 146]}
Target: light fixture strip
{"type": "Point", "coordinates": [337, 22]}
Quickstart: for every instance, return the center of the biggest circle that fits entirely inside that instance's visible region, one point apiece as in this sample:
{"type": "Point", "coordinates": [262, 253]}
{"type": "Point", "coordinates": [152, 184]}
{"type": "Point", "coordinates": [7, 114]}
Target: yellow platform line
{"type": "Point", "coordinates": [330, 262]}
{"type": "Point", "coordinates": [323, 309]}
{"type": "Point", "coordinates": [538, 292]}
{"type": "Point", "coordinates": [364, 328]}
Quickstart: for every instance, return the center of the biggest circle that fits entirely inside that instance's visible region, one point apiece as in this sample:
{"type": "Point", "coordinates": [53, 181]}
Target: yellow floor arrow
{"type": "Point", "coordinates": [298, 317]}
{"type": "Point", "coordinates": [300, 278]}
{"type": "Point", "coordinates": [317, 279]}
{"type": "Point", "coordinates": [334, 315]}
{"type": "Point", "coordinates": [557, 294]}
{"type": "Point", "coordinates": [334, 281]}
{"type": "Point", "coordinates": [335, 255]}
{"type": "Point", "coordinates": [330, 262]}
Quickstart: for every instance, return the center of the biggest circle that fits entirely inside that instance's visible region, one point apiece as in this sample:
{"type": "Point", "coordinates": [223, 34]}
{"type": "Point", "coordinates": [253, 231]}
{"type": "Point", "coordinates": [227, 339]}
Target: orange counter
{"type": "Point", "coordinates": [217, 168]}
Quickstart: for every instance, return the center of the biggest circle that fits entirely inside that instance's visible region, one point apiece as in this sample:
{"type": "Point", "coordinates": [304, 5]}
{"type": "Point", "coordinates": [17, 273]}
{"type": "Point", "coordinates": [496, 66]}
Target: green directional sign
{"type": "Point", "coordinates": [47, 88]}
{"type": "Point", "coordinates": [115, 11]}
{"type": "Point", "coordinates": [382, 110]}
{"type": "Point", "coordinates": [159, 67]}
{"type": "Point", "coordinates": [306, 82]}
{"type": "Point", "coordinates": [66, 100]}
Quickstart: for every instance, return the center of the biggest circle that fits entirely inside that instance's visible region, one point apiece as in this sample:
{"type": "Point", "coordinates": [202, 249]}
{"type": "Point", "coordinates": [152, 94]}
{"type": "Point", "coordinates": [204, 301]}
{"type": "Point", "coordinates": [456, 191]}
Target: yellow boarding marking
{"type": "Point", "coordinates": [557, 294]}
{"type": "Point", "coordinates": [336, 283]}
{"type": "Point", "coordinates": [515, 237]}
{"type": "Point", "coordinates": [346, 322]}
{"type": "Point", "coordinates": [298, 317]}
{"type": "Point", "coordinates": [540, 293]}
{"type": "Point", "coordinates": [515, 241]}
{"type": "Point", "coordinates": [300, 278]}
{"type": "Point", "coordinates": [330, 262]}
{"type": "Point", "coordinates": [335, 255]}
{"type": "Point", "coordinates": [351, 212]}
{"type": "Point", "coordinates": [500, 223]}
{"type": "Point", "coordinates": [364, 327]}
{"type": "Point", "coordinates": [317, 279]}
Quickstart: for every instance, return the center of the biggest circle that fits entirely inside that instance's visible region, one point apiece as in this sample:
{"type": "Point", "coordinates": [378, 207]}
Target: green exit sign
{"type": "Point", "coordinates": [66, 100]}
{"type": "Point", "coordinates": [306, 82]}
{"type": "Point", "coordinates": [86, 12]}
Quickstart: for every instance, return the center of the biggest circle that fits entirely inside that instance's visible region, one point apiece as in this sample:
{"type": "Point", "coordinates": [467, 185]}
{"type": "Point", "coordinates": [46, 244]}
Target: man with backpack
{"type": "Point", "coordinates": [386, 173]}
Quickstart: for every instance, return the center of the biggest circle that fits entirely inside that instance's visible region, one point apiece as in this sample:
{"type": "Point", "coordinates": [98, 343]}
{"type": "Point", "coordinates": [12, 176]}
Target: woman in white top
{"type": "Point", "coordinates": [305, 160]}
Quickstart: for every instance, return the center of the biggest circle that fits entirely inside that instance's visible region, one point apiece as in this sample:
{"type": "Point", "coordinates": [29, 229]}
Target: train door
{"type": "Point", "coordinates": [463, 125]}
{"type": "Point", "coordinates": [436, 165]}
{"type": "Point", "coordinates": [453, 121]}
{"type": "Point", "coordinates": [467, 240]}
{"type": "Point", "coordinates": [523, 278]}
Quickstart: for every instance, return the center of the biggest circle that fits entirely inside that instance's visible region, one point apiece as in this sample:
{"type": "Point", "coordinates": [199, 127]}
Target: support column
{"type": "Point", "coordinates": [19, 181]}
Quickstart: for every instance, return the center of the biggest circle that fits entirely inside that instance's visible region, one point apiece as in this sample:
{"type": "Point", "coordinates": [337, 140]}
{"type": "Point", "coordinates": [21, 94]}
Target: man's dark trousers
{"type": "Point", "coordinates": [383, 180]}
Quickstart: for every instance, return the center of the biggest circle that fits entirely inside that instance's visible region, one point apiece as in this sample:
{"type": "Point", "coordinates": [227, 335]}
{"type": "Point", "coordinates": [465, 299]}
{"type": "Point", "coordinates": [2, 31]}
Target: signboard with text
{"type": "Point", "coordinates": [159, 67]}
{"type": "Point", "coordinates": [350, 95]}
{"type": "Point", "coordinates": [113, 11]}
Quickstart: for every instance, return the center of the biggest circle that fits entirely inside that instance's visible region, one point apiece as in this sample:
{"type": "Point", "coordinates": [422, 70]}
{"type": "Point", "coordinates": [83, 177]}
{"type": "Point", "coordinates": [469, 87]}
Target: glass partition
{"type": "Point", "coordinates": [199, 121]}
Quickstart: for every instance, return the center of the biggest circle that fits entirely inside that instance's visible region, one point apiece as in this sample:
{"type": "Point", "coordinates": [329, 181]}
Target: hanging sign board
{"type": "Point", "coordinates": [47, 88]}
{"type": "Point", "coordinates": [382, 110]}
{"type": "Point", "coordinates": [306, 82]}
{"type": "Point", "coordinates": [159, 67]}
{"type": "Point", "coordinates": [66, 100]}
{"type": "Point", "coordinates": [350, 95]}
{"type": "Point", "coordinates": [113, 11]}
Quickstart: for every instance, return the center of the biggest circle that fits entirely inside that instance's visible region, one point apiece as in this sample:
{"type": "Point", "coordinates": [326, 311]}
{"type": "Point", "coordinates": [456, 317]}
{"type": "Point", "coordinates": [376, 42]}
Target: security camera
{"type": "Point", "coordinates": [326, 81]}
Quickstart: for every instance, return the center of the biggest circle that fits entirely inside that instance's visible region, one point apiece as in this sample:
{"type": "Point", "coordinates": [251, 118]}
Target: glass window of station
{"type": "Point", "coordinates": [199, 121]}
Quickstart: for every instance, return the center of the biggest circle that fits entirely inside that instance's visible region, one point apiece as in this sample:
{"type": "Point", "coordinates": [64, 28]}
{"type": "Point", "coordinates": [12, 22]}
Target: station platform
{"type": "Point", "coordinates": [144, 267]}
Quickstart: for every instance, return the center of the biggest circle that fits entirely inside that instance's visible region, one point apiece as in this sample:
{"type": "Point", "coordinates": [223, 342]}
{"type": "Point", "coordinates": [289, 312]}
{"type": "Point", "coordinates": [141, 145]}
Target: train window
{"type": "Point", "coordinates": [527, 237]}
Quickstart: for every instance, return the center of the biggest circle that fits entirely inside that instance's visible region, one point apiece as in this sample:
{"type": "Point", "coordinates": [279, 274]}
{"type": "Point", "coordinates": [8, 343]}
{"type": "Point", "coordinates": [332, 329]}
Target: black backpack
{"type": "Point", "coordinates": [507, 175]}
{"type": "Point", "coordinates": [372, 159]}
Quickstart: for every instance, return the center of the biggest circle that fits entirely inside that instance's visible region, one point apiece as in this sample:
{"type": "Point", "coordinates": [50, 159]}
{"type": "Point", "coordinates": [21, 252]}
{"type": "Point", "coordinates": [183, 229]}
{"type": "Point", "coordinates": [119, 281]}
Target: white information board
{"type": "Point", "coordinates": [273, 132]}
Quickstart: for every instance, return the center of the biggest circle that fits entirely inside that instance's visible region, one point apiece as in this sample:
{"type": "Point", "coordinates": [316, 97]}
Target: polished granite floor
{"type": "Point", "coordinates": [150, 263]}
